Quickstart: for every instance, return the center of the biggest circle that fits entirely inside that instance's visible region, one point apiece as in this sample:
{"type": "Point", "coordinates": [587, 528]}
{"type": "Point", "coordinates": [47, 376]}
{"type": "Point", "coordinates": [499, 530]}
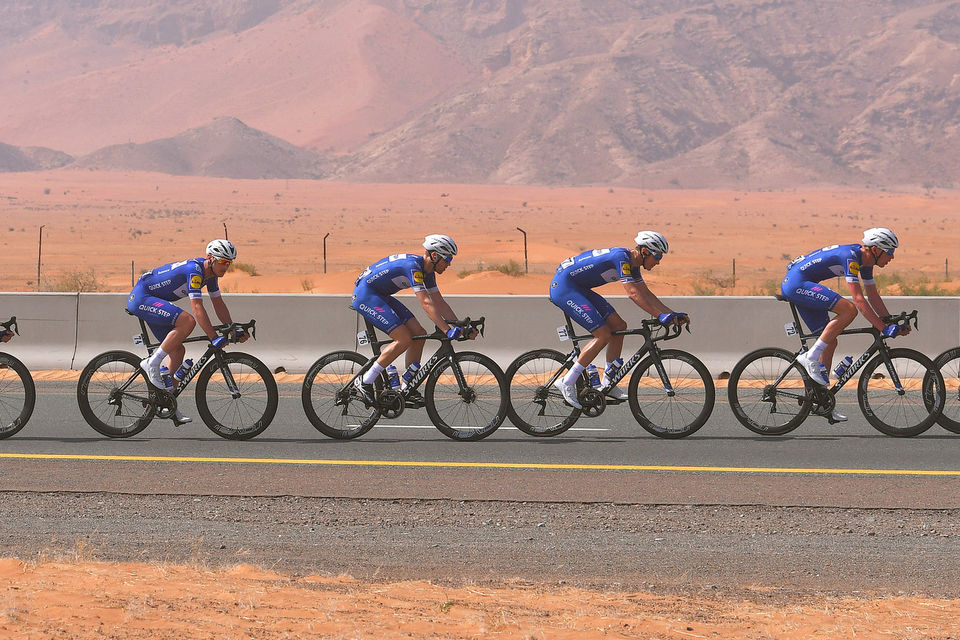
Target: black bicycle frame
{"type": "Point", "coordinates": [648, 346]}
{"type": "Point", "coordinates": [878, 346]}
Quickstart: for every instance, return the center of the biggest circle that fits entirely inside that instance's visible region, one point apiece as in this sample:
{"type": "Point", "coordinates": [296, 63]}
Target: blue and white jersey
{"type": "Point", "coordinates": [598, 267]}
{"type": "Point", "coordinates": [397, 272]}
{"type": "Point", "coordinates": [830, 262]}
{"type": "Point", "coordinates": [178, 280]}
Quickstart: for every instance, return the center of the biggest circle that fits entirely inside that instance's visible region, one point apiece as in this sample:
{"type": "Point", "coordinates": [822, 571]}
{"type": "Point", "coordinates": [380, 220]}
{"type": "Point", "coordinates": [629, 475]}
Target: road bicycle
{"type": "Point", "coordinates": [236, 393]}
{"type": "Point", "coordinates": [464, 392]}
{"type": "Point", "coordinates": [948, 364]}
{"type": "Point", "coordinates": [18, 395]}
{"type": "Point", "coordinates": [671, 393]}
{"type": "Point", "coordinates": [900, 391]}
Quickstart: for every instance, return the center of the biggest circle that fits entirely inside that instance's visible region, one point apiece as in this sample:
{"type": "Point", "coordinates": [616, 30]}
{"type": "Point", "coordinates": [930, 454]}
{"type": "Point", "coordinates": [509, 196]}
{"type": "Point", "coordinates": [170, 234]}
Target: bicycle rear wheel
{"type": "Point", "coordinates": [112, 412]}
{"type": "Point", "coordinates": [534, 405]}
{"type": "Point", "coordinates": [948, 363]}
{"type": "Point", "coordinates": [240, 401]}
{"type": "Point", "coordinates": [466, 399]}
{"type": "Point", "coordinates": [18, 395]}
{"type": "Point", "coordinates": [679, 411]}
{"type": "Point", "coordinates": [331, 403]}
{"type": "Point", "coordinates": [759, 405]}
{"type": "Point", "coordinates": [907, 411]}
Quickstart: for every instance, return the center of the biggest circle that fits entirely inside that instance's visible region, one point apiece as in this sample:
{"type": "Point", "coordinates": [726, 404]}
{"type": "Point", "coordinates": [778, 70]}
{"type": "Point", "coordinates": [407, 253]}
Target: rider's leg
{"type": "Point", "coordinates": [415, 352]}
{"type": "Point", "coordinates": [615, 346]}
{"type": "Point", "coordinates": [172, 344]}
{"type": "Point", "coordinates": [601, 338]}
{"type": "Point", "coordinates": [402, 339]}
{"type": "Point", "coordinates": [846, 313]}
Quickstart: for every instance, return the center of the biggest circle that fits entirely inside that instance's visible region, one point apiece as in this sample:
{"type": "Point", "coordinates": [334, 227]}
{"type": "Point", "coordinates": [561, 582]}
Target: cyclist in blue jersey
{"type": "Point", "coordinates": [855, 263]}
{"type": "Point", "coordinates": [152, 300]}
{"type": "Point", "coordinates": [571, 290]}
{"type": "Point", "coordinates": [373, 299]}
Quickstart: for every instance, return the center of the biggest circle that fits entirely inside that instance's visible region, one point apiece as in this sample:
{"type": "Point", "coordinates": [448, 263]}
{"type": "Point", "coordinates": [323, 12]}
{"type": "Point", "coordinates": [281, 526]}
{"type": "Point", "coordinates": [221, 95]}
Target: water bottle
{"type": "Point", "coordinates": [393, 377]}
{"type": "Point", "coordinates": [612, 368]}
{"type": "Point", "coordinates": [165, 376]}
{"type": "Point", "coordinates": [410, 373]}
{"type": "Point", "coordinates": [185, 367]}
{"type": "Point", "coordinates": [843, 366]}
{"type": "Point", "coordinates": [593, 375]}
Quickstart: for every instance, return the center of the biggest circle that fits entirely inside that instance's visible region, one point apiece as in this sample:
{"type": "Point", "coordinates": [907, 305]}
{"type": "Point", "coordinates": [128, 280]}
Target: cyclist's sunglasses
{"type": "Point", "coordinates": [447, 259]}
{"type": "Point", "coordinates": [221, 261]}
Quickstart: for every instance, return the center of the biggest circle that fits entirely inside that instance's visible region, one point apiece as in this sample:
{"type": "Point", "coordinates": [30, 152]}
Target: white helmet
{"type": "Point", "coordinates": [880, 237]}
{"type": "Point", "coordinates": [222, 249]}
{"type": "Point", "coordinates": [444, 245]}
{"type": "Point", "coordinates": [652, 241]}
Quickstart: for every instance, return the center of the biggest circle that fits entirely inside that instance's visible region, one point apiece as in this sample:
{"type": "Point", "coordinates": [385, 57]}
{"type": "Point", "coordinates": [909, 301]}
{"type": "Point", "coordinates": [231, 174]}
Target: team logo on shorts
{"type": "Point", "coordinates": [854, 268]}
{"type": "Point", "coordinates": [418, 277]}
{"type": "Point", "coordinates": [196, 281]}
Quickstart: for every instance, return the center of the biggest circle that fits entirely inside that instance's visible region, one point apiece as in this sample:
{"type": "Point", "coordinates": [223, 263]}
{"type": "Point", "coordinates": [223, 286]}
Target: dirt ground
{"type": "Point", "coordinates": [76, 599]}
{"type": "Point", "coordinates": [100, 230]}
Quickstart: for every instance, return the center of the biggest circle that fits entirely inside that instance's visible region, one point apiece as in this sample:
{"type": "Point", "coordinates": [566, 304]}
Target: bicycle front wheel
{"type": "Point", "coordinates": [114, 395]}
{"type": "Point", "coordinates": [534, 405]}
{"type": "Point", "coordinates": [236, 396]}
{"type": "Point", "coordinates": [467, 398]}
{"type": "Point", "coordinates": [948, 364]}
{"type": "Point", "coordinates": [331, 403]}
{"type": "Point", "coordinates": [677, 407]}
{"type": "Point", "coordinates": [909, 409]}
{"type": "Point", "coordinates": [768, 392]}
{"type": "Point", "coordinates": [18, 395]}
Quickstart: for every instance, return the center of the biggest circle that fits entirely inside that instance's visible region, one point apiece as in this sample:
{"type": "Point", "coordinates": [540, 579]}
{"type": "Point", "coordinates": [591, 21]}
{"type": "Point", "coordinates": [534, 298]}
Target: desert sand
{"type": "Point", "coordinates": [100, 230]}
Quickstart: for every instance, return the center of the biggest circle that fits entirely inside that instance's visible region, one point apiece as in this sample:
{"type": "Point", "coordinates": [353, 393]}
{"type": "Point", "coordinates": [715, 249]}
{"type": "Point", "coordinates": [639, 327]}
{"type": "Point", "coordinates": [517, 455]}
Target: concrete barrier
{"type": "Point", "coordinates": [67, 330]}
{"type": "Point", "coordinates": [48, 328]}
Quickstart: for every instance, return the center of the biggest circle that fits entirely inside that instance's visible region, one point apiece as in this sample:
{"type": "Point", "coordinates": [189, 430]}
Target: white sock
{"type": "Point", "coordinates": [157, 358]}
{"type": "Point", "coordinates": [372, 373]}
{"type": "Point", "coordinates": [574, 373]}
{"type": "Point", "coordinates": [817, 350]}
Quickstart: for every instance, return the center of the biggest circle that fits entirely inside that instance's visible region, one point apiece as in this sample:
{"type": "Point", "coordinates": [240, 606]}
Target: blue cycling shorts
{"type": "Point", "coordinates": [160, 315]}
{"type": "Point", "coordinates": [813, 301]}
{"type": "Point", "coordinates": [383, 311]}
{"type": "Point", "coordinates": [587, 308]}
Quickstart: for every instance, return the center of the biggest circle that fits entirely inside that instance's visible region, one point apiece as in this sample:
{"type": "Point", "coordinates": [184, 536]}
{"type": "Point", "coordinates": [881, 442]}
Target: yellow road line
{"type": "Point", "coordinates": [486, 465]}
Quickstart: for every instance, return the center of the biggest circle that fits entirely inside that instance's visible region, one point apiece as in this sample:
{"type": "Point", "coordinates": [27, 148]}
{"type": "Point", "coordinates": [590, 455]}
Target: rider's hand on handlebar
{"type": "Point", "coordinates": [454, 333]}
{"type": "Point", "coordinates": [673, 318]}
{"type": "Point", "coordinates": [219, 342]}
{"type": "Point", "coordinates": [239, 335]}
{"type": "Point", "coordinates": [473, 333]}
{"type": "Point", "coordinates": [5, 336]}
{"type": "Point", "coordinates": [891, 331]}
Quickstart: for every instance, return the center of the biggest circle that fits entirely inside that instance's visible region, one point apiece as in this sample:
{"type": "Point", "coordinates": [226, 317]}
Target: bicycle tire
{"type": "Point", "coordinates": [914, 406]}
{"type": "Point", "coordinates": [948, 364]}
{"type": "Point", "coordinates": [472, 413]}
{"type": "Point", "coordinates": [246, 414]}
{"type": "Point", "coordinates": [756, 405]}
{"type": "Point", "coordinates": [332, 408]}
{"type": "Point", "coordinates": [679, 415]}
{"type": "Point", "coordinates": [18, 395]}
{"type": "Point", "coordinates": [114, 414]}
{"type": "Point", "coordinates": [533, 404]}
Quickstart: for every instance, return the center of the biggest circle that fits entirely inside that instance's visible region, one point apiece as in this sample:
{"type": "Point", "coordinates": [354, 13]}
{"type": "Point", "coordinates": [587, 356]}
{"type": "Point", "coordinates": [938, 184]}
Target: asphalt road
{"type": "Point", "coordinates": [837, 508]}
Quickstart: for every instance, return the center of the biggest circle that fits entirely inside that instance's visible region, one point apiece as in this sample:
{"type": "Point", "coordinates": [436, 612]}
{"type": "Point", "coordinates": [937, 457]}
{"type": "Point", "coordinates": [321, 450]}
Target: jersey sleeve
{"type": "Point", "coordinates": [430, 282]}
{"type": "Point", "coordinates": [194, 280]}
{"type": "Point", "coordinates": [418, 281]}
{"type": "Point", "coordinates": [852, 269]}
{"type": "Point", "coordinates": [866, 275]}
{"type": "Point", "coordinates": [213, 287]}
{"type": "Point", "coordinates": [625, 270]}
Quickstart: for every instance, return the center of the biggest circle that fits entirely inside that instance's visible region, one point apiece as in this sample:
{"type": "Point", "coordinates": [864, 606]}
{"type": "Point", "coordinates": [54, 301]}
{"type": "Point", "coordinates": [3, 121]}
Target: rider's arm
{"type": "Point", "coordinates": [433, 310]}
{"type": "Point", "coordinates": [865, 307]}
{"type": "Point", "coordinates": [645, 299]}
{"type": "Point", "coordinates": [220, 308]}
{"type": "Point", "coordinates": [203, 320]}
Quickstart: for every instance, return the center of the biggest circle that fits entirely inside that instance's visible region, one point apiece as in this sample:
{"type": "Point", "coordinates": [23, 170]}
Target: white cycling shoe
{"type": "Point", "coordinates": [153, 373]}
{"type": "Point", "coordinates": [569, 392]}
{"type": "Point", "coordinates": [836, 416]}
{"type": "Point", "coordinates": [813, 368]}
{"type": "Point", "coordinates": [616, 393]}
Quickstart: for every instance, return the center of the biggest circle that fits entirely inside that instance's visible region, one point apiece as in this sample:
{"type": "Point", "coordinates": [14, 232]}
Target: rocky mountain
{"type": "Point", "coordinates": [226, 148]}
{"type": "Point", "coordinates": [31, 158]}
{"type": "Point", "coordinates": [658, 93]}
